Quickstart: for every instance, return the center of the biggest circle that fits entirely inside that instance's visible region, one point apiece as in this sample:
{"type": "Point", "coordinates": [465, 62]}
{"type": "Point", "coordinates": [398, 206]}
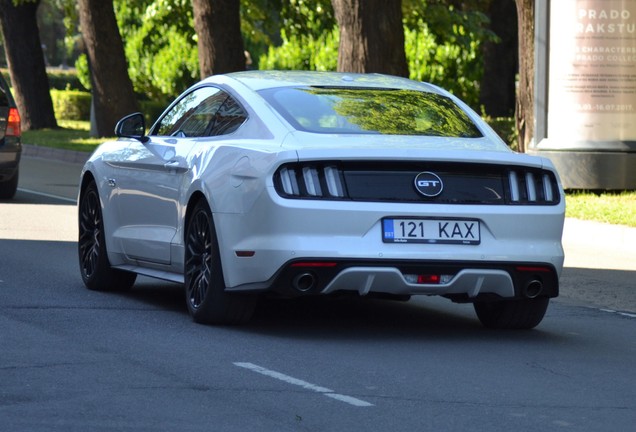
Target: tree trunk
{"type": "Point", "coordinates": [525, 93]}
{"type": "Point", "coordinates": [497, 90]}
{"type": "Point", "coordinates": [25, 58]}
{"type": "Point", "coordinates": [113, 95]}
{"type": "Point", "coordinates": [218, 27]}
{"type": "Point", "coordinates": [371, 36]}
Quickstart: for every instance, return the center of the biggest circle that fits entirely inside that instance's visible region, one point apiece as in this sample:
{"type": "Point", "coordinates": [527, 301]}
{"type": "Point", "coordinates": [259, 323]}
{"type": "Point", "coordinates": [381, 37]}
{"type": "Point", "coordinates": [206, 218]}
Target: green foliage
{"type": "Point", "coordinates": [505, 127]}
{"type": "Point", "coordinates": [64, 79]}
{"type": "Point", "coordinates": [311, 18]}
{"type": "Point", "coordinates": [442, 43]}
{"type": "Point", "coordinates": [160, 45]}
{"type": "Point", "coordinates": [309, 38]}
{"type": "Point", "coordinates": [83, 72]}
{"type": "Point", "coordinates": [303, 52]}
{"type": "Point", "coordinates": [71, 104]}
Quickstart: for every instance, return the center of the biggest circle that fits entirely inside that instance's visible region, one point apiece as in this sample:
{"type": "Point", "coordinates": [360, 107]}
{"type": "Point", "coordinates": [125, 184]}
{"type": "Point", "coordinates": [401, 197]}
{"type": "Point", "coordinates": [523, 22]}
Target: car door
{"type": "Point", "coordinates": [150, 178]}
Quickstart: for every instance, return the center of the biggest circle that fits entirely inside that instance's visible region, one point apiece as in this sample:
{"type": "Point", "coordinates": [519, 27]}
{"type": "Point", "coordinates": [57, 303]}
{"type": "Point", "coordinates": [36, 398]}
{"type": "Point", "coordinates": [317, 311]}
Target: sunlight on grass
{"type": "Point", "coordinates": [615, 208]}
{"type": "Point", "coordinates": [71, 135]}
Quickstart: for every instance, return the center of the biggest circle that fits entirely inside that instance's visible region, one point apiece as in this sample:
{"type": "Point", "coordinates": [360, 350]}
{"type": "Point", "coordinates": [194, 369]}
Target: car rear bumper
{"type": "Point", "coordinates": [461, 281]}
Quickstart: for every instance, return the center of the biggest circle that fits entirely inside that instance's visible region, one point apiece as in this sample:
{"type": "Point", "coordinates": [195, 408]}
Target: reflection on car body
{"type": "Point", "coordinates": [307, 183]}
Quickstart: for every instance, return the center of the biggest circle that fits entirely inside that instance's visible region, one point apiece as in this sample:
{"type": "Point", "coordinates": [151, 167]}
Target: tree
{"type": "Point", "coordinates": [371, 36]}
{"type": "Point", "coordinates": [113, 95]}
{"type": "Point", "coordinates": [160, 46]}
{"type": "Point", "coordinates": [497, 95]}
{"type": "Point", "coordinates": [27, 69]}
{"type": "Point", "coordinates": [218, 27]}
{"type": "Point", "coordinates": [524, 114]}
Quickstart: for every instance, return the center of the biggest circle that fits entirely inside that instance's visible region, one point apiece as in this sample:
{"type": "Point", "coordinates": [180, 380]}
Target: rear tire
{"type": "Point", "coordinates": [207, 300]}
{"type": "Point", "coordinates": [9, 187]}
{"type": "Point", "coordinates": [95, 268]}
{"type": "Point", "coordinates": [520, 314]}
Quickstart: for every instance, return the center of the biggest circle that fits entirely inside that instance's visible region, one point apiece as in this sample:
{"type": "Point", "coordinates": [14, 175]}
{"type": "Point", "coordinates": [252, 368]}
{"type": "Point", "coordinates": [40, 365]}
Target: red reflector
{"type": "Point", "coordinates": [533, 269]}
{"type": "Point", "coordinates": [428, 279]}
{"type": "Point", "coordinates": [13, 123]}
{"type": "Point", "coordinates": [246, 253]}
{"type": "Point", "coordinates": [314, 264]}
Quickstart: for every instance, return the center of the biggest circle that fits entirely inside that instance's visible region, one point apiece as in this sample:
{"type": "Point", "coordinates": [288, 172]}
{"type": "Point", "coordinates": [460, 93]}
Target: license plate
{"type": "Point", "coordinates": [439, 231]}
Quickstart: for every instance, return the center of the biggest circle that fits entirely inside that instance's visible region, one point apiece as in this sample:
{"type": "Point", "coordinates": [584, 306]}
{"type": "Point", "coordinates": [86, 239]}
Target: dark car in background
{"type": "Point", "coordinates": [10, 145]}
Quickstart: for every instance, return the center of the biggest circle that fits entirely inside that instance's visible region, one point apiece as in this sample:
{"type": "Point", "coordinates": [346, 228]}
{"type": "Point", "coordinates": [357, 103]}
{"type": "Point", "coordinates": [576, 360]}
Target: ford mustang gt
{"type": "Point", "coordinates": [309, 183]}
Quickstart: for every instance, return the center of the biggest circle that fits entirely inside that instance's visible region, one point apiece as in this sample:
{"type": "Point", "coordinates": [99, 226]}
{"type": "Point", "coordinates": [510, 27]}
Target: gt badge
{"type": "Point", "coordinates": [428, 184]}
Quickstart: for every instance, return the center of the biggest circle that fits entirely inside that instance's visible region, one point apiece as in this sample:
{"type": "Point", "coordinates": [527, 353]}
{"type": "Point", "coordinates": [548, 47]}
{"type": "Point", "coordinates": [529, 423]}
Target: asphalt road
{"type": "Point", "coordinates": [76, 360]}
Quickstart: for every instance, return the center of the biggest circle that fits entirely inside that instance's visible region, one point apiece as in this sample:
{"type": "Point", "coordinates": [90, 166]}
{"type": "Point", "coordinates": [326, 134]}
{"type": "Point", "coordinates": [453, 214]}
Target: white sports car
{"type": "Point", "coordinates": [308, 183]}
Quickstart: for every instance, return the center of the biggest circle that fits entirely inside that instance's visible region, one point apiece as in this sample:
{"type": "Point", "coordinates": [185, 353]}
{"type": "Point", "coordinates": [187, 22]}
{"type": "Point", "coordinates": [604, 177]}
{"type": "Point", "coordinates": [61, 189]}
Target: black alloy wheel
{"type": "Point", "coordinates": [206, 298]}
{"type": "Point", "coordinates": [95, 268]}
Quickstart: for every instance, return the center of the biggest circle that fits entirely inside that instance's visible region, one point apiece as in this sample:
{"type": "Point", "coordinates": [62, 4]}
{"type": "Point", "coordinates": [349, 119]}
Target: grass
{"type": "Point", "coordinates": [72, 135]}
{"type": "Point", "coordinates": [615, 208]}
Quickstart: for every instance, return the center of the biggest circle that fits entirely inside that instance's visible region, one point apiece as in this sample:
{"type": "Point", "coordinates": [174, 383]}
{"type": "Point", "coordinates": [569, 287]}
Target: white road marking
{"type": "Point", "coordinates": [625, 314]}
{"type": "Point", "coordinates": [48, 195]}
{"type": "Point", "coordinates": [304, 384]}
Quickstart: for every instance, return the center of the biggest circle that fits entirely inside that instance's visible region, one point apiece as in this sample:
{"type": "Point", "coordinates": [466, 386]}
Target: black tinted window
{"type": "Point", "coordinates": [371, 110]}
{"type": "Point", "coordinates": [228, 118]}
{"type": "Point", "coordinates": [193, 115]}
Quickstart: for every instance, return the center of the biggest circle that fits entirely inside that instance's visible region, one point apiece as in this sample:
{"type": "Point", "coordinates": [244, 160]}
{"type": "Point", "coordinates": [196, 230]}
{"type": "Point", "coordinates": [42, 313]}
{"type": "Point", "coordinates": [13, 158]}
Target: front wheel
{"type": "Point", "coordinates": [95, 268]}
{"type": "Point", "coordinates": [521, 314]}
{"type": "Point", "coordinates": [207, 300]}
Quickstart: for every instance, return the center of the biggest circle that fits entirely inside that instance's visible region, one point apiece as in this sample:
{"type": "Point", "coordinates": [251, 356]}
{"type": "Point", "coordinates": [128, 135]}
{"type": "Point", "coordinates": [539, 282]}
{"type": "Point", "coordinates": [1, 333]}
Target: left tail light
{"type": "Point", "coordinates": [310, 181]}
{"type": "Point", "coordinates": [13, 123]}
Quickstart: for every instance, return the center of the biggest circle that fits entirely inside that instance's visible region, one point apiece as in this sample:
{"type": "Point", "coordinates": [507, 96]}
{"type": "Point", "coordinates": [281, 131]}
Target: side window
{"type": "Point", "coordinates": [192, 115]}
{"type": "Point", "coordinates": [228, 118]}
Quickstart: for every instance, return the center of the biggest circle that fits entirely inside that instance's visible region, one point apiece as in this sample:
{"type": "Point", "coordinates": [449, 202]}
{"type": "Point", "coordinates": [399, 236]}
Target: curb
{"type": "Point", "coordinates": [70, 156]}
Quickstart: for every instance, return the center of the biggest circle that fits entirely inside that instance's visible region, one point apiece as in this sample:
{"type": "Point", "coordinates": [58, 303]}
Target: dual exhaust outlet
{"type": "Point", "coordinates": [305, 282]}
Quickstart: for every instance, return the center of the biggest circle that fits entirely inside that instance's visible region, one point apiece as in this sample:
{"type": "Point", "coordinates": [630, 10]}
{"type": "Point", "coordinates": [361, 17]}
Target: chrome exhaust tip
{"type": "Point", "coordinates": [533, 288]}
{"type": "Point", "coordinates": [304, 282]}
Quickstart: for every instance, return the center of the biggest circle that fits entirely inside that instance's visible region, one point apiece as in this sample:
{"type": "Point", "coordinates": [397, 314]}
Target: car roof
{"type": "Point", "coordinates": [261, 80]}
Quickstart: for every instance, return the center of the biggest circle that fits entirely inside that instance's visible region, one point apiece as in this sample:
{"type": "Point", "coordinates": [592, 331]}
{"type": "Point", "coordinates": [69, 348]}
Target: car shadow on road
{"type": "Point", "coordinates": [345, 317]}
{"type": "Point", "coordinates": [363, 319]}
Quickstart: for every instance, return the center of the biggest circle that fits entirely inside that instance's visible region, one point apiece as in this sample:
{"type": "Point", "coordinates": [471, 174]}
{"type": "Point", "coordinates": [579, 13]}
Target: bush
{"type": "Point", "coordinates": [64, 79]}
{"type": "Point", "coordinates": [303, 53]}
{"type": "Point", "coordinates": [71, 104]}
{"type": "Point", "coordinates": [505, 128]}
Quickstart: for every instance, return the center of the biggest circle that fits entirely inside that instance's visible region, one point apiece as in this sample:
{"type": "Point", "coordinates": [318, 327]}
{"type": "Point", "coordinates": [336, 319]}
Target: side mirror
{"type": "Point", "coordinates": [132, 126]}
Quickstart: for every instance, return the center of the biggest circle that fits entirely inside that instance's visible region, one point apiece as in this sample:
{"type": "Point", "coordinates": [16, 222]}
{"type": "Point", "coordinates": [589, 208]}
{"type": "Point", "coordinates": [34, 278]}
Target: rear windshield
{"type": "Point", "coordinates": [371, 110]}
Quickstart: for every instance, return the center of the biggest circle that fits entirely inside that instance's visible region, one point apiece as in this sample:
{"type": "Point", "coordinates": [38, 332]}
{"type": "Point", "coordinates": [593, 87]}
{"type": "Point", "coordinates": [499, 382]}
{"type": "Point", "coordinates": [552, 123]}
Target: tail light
{"type": "Point", "coordinates": [533, 187]}
{"type": "Point", "coordinates": [310, 181]}
{"type": "Point", "coordinates": [13, 123]}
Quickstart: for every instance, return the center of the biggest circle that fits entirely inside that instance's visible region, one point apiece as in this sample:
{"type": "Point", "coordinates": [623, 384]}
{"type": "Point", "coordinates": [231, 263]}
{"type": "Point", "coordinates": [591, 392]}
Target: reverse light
{"type": "Point", "coordinates": [13, 123]}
